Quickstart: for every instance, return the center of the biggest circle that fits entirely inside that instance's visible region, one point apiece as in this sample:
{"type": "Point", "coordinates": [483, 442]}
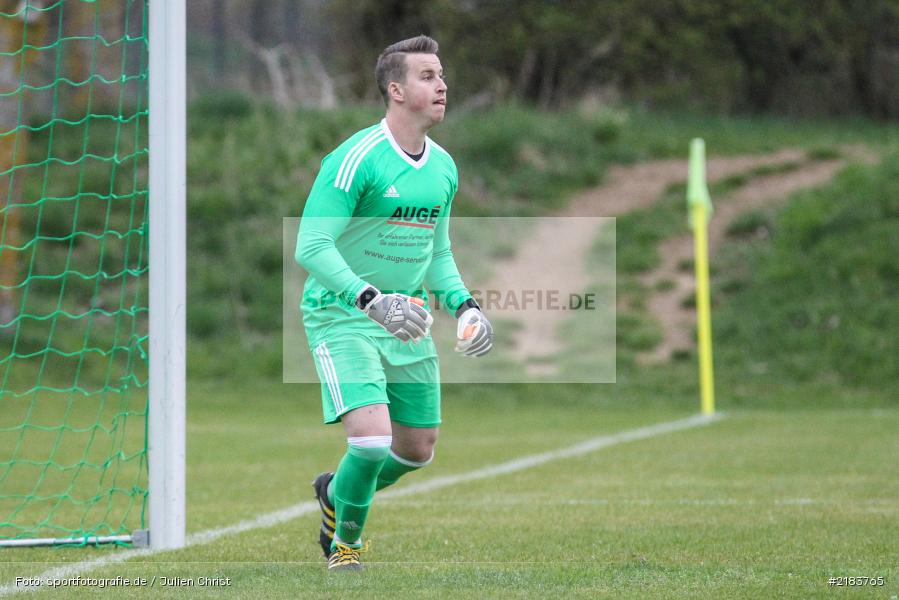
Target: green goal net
{"type": "Point", "coordinates": [73, 269]}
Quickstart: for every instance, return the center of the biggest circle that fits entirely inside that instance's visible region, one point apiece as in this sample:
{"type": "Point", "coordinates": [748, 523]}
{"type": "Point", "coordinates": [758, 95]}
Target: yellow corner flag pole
{"type": "Point", "coordinates": [699, 205]}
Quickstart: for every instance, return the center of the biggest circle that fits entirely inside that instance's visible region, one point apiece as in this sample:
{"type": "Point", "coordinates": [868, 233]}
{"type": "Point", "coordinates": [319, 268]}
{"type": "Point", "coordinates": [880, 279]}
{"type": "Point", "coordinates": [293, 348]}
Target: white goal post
{"type": "Point", "coordinates": [168, 304]}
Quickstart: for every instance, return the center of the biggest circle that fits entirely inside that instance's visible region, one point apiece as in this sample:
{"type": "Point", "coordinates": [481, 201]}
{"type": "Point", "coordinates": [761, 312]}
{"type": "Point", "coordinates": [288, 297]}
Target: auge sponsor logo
{"type": "Point", "coordinates": [416, 216]}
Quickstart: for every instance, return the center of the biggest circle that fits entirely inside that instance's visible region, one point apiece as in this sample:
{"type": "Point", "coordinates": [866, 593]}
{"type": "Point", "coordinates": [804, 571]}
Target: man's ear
{"type": "Point", "coordinates": [395, 92]}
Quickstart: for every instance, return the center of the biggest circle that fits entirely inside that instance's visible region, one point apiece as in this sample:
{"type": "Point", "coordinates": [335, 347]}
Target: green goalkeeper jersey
{"type": "Point", "coordinates": [377, 216]}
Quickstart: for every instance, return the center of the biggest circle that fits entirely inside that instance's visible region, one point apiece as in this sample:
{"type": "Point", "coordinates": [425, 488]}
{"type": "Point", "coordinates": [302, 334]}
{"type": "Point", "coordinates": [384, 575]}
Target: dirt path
{"type": "Point", "coordinates": [558, 247]}
{"type": "Point", "coordinates": [632, 187]}
{"type": "Point", "coordinates": [677, 321]}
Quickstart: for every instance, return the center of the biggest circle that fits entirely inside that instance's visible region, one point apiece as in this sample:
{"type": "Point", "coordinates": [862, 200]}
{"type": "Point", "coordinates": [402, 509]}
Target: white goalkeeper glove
{"type": "Point", "coordinates": [474, 333]}
{"type": "Point", "coordinates": [402, 316]}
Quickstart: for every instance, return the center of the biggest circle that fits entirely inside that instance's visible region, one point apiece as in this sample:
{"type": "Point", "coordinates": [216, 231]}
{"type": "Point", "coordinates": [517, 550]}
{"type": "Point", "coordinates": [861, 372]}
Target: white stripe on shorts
{"type": "Point", "coordinates": [330, 373]}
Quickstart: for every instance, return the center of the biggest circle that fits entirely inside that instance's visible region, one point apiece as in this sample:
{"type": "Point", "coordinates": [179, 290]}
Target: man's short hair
{"type": "Point", "coordinates": [392, 62]}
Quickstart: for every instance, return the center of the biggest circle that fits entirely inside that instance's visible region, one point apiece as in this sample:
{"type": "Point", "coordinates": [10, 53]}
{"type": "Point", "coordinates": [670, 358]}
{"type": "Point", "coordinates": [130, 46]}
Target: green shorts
{"type": "Point", "coordinates": [358, 369]}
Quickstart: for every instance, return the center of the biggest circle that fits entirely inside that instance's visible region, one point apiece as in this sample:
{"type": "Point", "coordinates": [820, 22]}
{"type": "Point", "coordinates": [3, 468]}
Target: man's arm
{"type": "Point", "coordinates": [474, 332]}
{"type": "Point", "coordinates": [442, 277]}
{"type": "Point", "coordinates": [327, 213]}
{"type": "Point", "coordinates": [317, 253]}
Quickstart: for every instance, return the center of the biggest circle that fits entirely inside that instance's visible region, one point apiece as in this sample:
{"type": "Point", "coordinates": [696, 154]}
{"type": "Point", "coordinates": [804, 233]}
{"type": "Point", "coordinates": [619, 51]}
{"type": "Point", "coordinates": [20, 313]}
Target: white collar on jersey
{"type": "Point", "coordinates": [415, 163]}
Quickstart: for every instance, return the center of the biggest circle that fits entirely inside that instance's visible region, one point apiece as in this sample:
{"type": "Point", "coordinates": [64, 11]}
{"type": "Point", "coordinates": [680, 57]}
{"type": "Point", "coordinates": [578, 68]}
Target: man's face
{"type": "Point", "coordinates": [424, 91]}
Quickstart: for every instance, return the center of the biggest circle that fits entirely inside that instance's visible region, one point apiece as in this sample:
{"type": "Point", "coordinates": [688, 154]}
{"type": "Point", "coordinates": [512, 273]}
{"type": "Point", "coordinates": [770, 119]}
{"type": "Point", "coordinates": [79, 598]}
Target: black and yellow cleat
{"type": "Point", "coordinates": [326, 532]}
{"type": "Point", "coordinates": [345, 558]}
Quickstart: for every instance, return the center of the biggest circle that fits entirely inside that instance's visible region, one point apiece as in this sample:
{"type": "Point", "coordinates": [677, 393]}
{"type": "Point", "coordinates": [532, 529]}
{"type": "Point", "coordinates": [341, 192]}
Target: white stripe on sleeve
{"type": "Point", "coordinates": [349, 176]}
{"type": "Point", "coordinates": [351, 155]}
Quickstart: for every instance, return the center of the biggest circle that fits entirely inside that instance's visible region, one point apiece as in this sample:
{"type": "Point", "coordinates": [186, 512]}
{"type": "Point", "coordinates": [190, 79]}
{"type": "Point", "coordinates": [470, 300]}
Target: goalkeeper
{"type": "Point", "coordinates": [373, 237]}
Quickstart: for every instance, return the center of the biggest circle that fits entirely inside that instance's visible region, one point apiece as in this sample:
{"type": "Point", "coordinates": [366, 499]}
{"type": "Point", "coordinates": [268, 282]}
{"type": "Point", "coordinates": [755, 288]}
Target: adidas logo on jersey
{"type": "Point", "coordinates": [391, 193]}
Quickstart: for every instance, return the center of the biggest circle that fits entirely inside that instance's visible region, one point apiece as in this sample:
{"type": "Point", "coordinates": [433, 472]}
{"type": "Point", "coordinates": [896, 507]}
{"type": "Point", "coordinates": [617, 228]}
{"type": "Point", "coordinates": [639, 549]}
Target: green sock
{"type": "Point", "coordinates": [395, 467]}
{"type": "Point", "coordinates": [354, 488]}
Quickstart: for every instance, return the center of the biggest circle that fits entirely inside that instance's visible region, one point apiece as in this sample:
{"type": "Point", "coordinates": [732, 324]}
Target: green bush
{"type": "Point", "coordinates": [637, 334]}
{"type": "Point", "coordinates": [819, 301]}
{"type": "Point", "coordinates": [749, 223]}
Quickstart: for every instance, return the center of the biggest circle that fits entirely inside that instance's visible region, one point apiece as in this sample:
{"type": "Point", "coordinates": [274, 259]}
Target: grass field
{"type": "Point", "coordinates": [764, 503]}
{"type": "Point", "coordinates": [795, 485]}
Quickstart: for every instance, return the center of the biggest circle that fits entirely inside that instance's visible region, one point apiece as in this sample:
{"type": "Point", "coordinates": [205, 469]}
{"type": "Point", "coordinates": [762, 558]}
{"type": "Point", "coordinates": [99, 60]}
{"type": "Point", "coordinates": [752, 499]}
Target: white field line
{"type": "Point", "coordinates": [303, 508]}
